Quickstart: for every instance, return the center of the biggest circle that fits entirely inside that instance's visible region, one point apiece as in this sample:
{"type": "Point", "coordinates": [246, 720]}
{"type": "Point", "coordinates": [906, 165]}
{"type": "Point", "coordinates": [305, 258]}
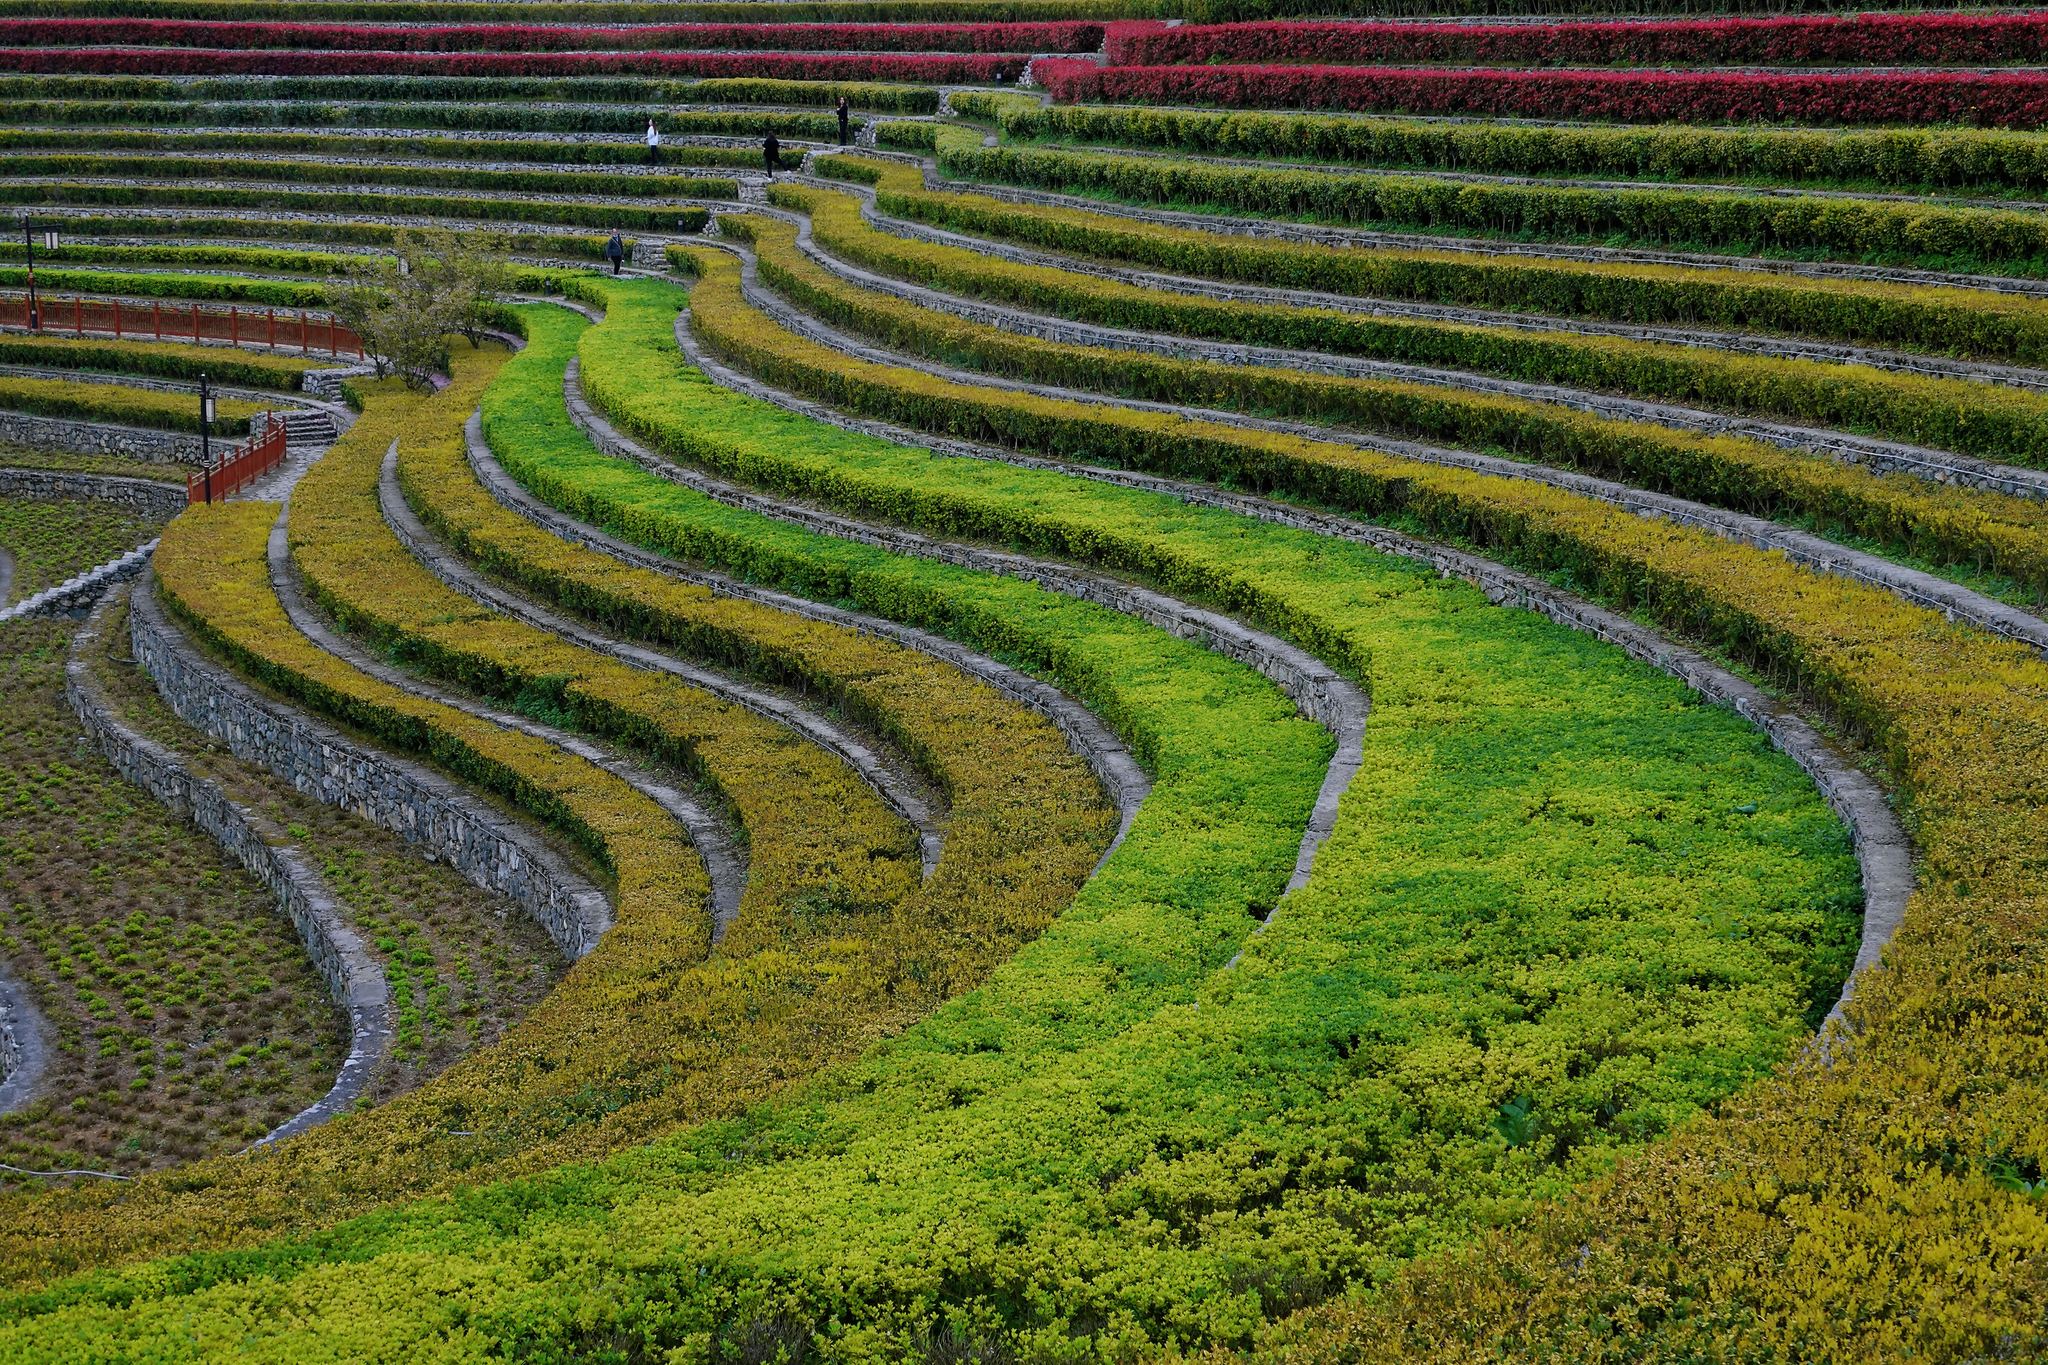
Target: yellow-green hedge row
{"type": "Point", "coordinates": [1977, 530]}
{"type": "Point", "coordinates": [1913, 317]}
{"type": "Point", "coordinates": [158, 359]}
{"type": "Point", "coordinates": [118, 403]}
{"type": "Point", "coordinates": [1991, 421]}
{"type": "Point", "coordinates": [1831, 1212]}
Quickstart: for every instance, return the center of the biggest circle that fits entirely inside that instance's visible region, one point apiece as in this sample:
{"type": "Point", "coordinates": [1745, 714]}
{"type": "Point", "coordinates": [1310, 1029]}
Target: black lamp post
{"type": "Point", "coordinates": [35, 321]}
{"type": "Point", "coordinates": [206, 436]}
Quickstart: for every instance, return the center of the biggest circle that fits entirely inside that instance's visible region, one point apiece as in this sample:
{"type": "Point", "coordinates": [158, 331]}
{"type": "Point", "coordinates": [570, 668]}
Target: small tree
{"type": "Point", "coordinates": [404, 305]}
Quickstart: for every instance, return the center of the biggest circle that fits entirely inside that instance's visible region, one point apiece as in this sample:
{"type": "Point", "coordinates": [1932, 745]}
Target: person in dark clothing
{"type": "Point", "coordinates": [844, 114]}
{"type": "Point", "coordinates": [615, 252]}
{"type": "Point", "coordinates": [771, 154]}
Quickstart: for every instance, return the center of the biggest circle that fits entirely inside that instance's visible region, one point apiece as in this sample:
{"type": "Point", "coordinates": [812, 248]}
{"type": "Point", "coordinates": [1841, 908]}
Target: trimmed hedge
{"type": "Point", "coordinates": [1995, 422]}
{"type": "Point", "coordinates": [1963, 527]}
{"type": "Point", "coordinates": [893, 67]}
{"type": "Point", "coordinates": [1911, 317]}
{"type": "Point", "coordinates": [2001, 99]}
{"type": "Point", "coordinates": [319, 172]}
{"type": "Point", "coordinates": [1064, 37]}
{"type": "Point", "coordinates": [486, 97]}
{"type": "Point", "coordinates": [100, 142]}
{"type": "Point", "coordinates": [1913, 159]}
{"type": "Point", "coordinates": [255, 257]}
{"type": "Point", "coordinates": [1976, 39]}
{"type": "Point", "coordinates": [2013, 242]}
{"type": "Point", "coordinates": [1318, 1107]}
{"type": "Point", "coordinates": [158, 359]}
{"type": "Point", "coordinates": [627, 217]}
{"type": "Point", "coordinates": [448, 115]}
{"type": "Point", "coordinates": [117, 403]}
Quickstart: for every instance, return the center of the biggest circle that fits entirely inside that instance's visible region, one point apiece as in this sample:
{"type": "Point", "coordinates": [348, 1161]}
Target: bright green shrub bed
{"type": "Point", "coordinates": [168, 167]}
{"type": "Point", "coordinates": [1115, 1137]}
{"type": "Point", "coordinates": [1995, 422]}
{"type": "Point", "coordinates": [450, 115]}
{"type": "Point", "coordinates": [225, 288]}
{"type": "Point", "coordinates": [1966, 528]}
{"type": "Point", "coordinates": [1911, 159]}
{"type": "Point", "coordinates": [1938, 236]}
{"type": "Point", "coordinates": [164, 360]}
{"type": "Point", "coordinates": [1912, 317]}
{"type": "Point", "coordinates": [95, 402]}
{"type": "Point", "coordinates": [641, 217]}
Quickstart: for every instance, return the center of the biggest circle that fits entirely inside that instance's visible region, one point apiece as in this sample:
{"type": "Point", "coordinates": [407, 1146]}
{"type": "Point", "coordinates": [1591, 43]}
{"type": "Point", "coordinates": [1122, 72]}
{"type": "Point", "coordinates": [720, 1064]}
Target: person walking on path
{"type": "Point", "coordinates": [653, 144]}
{"type": "Point", "coordinates": [844, 114]}
{"type": "Point", "coordinates": [615, 251]}
{"type": "Point", "coordinates": [771, 154]}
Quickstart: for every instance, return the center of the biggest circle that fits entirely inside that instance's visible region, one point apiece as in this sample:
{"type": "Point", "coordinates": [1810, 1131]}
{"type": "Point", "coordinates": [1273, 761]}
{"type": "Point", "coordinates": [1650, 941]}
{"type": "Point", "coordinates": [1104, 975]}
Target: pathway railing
{"type": "Point", "coordinates": [163, 320]}
{"type": "Point", "coordinates": [242, 466]}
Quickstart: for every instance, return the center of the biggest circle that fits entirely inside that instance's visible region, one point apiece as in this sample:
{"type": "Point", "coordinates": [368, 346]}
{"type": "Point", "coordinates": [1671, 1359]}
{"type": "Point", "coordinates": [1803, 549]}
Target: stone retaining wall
{"type": "Point", "coordinates": [101, 438]}
{"type": "Point", "coordinates": [354, 977]}
{"type": "Point", "coordinates": [145, 497]}
{"type": "Point", "coordinates": [405, 797]}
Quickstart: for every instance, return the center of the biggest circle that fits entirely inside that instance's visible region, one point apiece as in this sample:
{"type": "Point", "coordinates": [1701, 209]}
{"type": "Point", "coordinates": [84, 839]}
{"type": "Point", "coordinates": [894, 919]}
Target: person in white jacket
{"type": "Point", "coordinates": [653, 144]}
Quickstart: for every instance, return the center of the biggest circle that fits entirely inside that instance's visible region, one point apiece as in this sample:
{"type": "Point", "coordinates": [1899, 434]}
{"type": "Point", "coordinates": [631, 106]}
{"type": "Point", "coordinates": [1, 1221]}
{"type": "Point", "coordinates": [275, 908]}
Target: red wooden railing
{"type": "Point", "coordinates": [241, 467]}
{"type": "Point", "coordinates": [164, 320]}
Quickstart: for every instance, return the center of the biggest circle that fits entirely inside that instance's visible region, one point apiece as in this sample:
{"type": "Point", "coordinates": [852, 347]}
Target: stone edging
{"type": "Point", "coordinates": [1320, 692]}
{"type": "Point", "coordinates": [100, 438]}
{"type": "Point", "coordinates": [354, 977]}
{"type": "Point", "coordinates": [145, 496]}
{"type": "Point", "coordinates": [82, 589]}
{"type": "Point", "coordinates": [405, 797]}
{"type": "Point", "coordinates": [1883, 852]}
{"type": "Point", "coordinates": [1112, 762]}
{"type": "Point", "coordinates": [24, 1043]}
{"type": "Point", "coordinates": [725, 858]}
{"type": "Point", "coordinates": [878, 771]}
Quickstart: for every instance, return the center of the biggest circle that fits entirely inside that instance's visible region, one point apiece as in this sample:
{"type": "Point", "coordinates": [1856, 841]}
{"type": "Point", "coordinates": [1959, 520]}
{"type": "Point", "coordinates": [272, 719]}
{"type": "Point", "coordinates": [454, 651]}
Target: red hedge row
{"type": "Point", "coordinates": [1998, 99]}
{"type": "Point", "coordinates": [923, 68]}
{"type": "Point", "coordinates": [1854, 40]}
{"type": "Point", "coordinates": [1075, 37]}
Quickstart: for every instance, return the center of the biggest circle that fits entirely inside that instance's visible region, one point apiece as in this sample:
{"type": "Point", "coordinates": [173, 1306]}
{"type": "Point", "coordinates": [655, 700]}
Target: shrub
{"type": "Point", "coordinates": [643, 217]}
{"type": "Point", "coordinates": [2003, 423]}
{"type": "Point", "coordinates": [911, 67]}
{"type": "Point", "coordinates": [997, 37]}
{"type": "Point", "coordinates": [321, 172]}
{"type": "Point", "coordinates": [1851, 40]}
{"type": "Point", "coordinates": [1997, 240]}
{"type": "Point", "coordinates": [166, 360]}
{"type": "Point", "coordinates": [1941, 320]}
{"type": "Point", "coordinates": [124, 406]}
{"type": "Point", "coordinates": [2004, 99]}
{"type": "Point", "coordinates": [1908, 159]}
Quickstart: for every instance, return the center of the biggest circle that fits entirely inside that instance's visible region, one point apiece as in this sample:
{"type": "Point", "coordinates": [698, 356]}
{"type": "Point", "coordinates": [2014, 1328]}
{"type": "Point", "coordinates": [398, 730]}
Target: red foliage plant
{"type": "Point", "coordinates": [1827, 40]}
{"type": "Point", "coordinates": [1062, 37]}
{"type": "Point", "coordinates": [1997, 99]}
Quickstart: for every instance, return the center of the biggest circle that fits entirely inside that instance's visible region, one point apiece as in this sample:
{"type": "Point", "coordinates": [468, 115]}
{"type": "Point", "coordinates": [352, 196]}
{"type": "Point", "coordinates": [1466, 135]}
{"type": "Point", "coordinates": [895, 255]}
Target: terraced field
{"type": "Point", "coordinates": [1053, 681]}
